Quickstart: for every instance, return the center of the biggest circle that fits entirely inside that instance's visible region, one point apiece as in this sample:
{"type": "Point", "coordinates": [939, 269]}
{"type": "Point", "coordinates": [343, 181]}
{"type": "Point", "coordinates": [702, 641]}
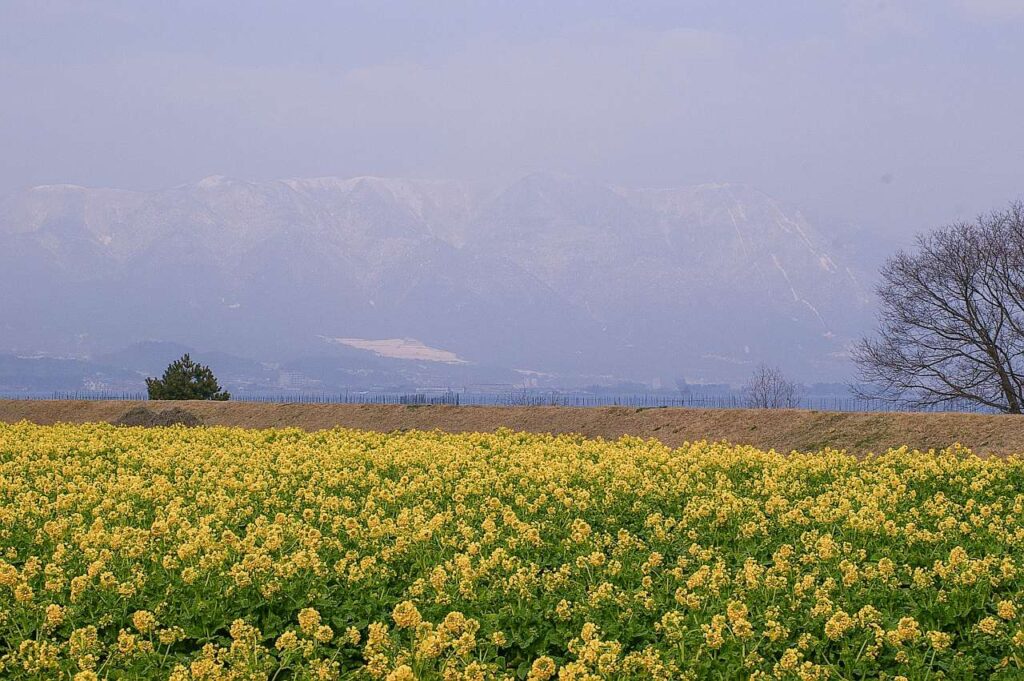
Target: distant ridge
{"type": "Point", "coordinates": [550, 273]}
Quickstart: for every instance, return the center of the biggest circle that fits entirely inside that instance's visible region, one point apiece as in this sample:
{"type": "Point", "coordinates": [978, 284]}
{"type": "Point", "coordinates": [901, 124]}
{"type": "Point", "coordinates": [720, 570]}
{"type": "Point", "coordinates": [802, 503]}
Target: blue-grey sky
{"type": "Point", "coordinates": [888, 114]}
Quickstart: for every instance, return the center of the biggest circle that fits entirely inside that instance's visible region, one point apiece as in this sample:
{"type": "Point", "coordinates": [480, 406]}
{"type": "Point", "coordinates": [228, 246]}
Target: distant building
{"type": "Point", "coordinates": [295, 380]}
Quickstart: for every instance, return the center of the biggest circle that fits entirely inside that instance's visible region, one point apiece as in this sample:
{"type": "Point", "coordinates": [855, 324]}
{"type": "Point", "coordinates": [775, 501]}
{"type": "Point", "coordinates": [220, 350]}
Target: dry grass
{"type": "Point", "coordinates": [777, 429]}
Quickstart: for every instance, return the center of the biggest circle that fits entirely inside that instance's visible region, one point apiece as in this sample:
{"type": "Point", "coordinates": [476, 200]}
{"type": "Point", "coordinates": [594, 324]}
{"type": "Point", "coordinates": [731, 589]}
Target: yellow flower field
{"type": "Point", "coordinates": [217, 553]}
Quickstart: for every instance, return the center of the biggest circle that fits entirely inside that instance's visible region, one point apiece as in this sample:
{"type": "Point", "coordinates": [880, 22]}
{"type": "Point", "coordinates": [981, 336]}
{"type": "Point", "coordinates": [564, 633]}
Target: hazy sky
{"type": "Point", "coordinates": [885, 113]}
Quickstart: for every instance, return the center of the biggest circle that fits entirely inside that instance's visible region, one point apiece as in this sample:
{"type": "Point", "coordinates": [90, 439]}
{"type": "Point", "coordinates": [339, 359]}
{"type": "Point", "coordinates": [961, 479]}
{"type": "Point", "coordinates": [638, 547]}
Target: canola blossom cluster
{"type": "Point", "coordinates": [215, 553]}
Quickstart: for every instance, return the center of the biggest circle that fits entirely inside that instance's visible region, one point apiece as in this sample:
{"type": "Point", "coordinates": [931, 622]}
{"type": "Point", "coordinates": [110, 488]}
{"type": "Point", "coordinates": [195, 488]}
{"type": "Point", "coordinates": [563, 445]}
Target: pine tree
{"type": "Point", "coordinates": [186, 380]}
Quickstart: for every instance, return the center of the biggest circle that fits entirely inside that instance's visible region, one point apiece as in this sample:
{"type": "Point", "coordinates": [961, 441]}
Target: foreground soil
{"type": "Point", "coordinates": [767, 429]}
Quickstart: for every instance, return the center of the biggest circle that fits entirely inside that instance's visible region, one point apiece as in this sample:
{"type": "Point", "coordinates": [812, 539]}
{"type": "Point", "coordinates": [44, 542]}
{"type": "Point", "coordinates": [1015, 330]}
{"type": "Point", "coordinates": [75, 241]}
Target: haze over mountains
{"type": "Point", "coordinates": [575, 281]}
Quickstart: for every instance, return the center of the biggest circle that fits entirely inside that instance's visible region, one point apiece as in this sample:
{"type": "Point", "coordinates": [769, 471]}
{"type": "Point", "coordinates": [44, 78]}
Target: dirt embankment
{"type": "Point", "coordinates": [778, 429]}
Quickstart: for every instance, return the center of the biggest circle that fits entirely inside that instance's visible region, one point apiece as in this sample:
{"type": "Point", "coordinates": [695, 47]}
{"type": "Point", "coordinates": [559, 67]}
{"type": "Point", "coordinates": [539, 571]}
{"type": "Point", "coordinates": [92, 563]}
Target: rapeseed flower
{"type": "Point", "coordinates": [223, 553]}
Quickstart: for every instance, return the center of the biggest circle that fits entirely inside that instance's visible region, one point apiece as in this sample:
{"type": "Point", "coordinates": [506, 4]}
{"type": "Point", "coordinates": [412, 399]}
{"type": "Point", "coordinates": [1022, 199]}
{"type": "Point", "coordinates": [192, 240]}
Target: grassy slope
{"type": "Point", "coordinates": [781, 430]}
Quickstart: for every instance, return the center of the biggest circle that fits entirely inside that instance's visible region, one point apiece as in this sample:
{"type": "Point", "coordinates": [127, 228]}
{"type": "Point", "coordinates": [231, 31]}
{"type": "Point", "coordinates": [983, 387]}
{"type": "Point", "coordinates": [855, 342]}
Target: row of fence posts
{"type": "Point", "coordinates": [527, 399]}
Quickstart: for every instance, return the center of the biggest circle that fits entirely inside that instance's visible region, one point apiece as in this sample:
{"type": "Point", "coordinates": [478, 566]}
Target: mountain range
{"type": "Point", "coordinates": [547, 276]}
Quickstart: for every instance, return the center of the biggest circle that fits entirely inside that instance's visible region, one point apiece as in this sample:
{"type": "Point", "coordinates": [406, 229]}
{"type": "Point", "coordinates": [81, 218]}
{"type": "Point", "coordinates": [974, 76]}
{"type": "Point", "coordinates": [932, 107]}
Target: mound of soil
{"type": "Point", "coordinates": [142, 416]}
{"type": "Point", "coordinates": [782, 429]}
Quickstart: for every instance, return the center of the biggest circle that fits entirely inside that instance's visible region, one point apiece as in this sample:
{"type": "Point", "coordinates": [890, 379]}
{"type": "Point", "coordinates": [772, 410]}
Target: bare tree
{"type": "Point", "coordinates": [769, 389]}
{"type": "Point", "coordinates": [951, 319]}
